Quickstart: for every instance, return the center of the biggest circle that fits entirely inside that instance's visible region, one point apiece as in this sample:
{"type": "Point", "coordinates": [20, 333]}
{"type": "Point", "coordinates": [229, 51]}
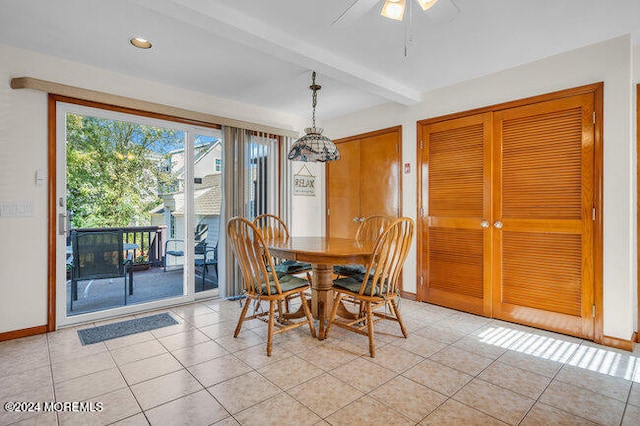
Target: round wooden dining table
{"type": "Point", "coordinates": [323, 253]}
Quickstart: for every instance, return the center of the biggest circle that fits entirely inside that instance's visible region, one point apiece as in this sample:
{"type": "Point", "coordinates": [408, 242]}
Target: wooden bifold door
{"type": "Point", "coordinates": [508, 219]}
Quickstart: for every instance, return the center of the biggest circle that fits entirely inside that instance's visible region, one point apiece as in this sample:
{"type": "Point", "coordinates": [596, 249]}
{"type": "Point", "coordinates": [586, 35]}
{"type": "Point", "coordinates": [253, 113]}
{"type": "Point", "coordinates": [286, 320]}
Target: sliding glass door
{"type": "Point", "coordinates": [139, 204]}
{"type": "Point", "coordinates": [207, 210]}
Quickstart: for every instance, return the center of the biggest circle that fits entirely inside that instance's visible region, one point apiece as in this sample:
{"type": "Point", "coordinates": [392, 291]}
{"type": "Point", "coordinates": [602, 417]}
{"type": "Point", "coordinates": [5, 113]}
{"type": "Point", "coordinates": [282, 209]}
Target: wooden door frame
{"type": "Point", "coordinates": [597, 89]}
{"type": "Point", "coordinates": [637, 339]}
{"type": "Point", "coordinates": [394, 129]}
{"type": "Point", "coordinates": [52, 208]}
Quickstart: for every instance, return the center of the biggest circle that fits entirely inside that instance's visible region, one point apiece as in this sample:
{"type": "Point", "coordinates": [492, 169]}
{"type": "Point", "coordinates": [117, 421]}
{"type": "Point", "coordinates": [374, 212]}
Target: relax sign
{"type": "Point", "coordinates": [304, 184]}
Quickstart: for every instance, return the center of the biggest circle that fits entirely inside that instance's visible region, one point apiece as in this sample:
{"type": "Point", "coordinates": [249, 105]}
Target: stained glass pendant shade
{"type": "Point", "coordinates": [313, 146]}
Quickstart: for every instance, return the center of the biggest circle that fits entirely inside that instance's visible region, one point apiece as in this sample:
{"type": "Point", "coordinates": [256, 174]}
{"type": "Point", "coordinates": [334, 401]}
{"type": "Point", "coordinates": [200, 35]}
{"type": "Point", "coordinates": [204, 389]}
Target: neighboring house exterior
{"type": "Point", "coordinates": [207, 194]}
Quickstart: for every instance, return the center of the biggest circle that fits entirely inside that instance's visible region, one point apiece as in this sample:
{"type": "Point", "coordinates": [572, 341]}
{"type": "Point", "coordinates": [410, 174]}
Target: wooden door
{"type": "Point", "coordinates": [544, 212]}
{"type": "Point", "coordinates": [456, 169]}
{"type": "Point", "coordinates": [380, 175]}
{"type": "Point", "coordinates": [365, 181]}
{"type": "Point", "coordinates": [343, 188]}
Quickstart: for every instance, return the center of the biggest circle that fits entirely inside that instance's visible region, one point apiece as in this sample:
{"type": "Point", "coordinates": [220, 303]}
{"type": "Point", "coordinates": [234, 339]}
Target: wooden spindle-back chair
{"type": "Point", "coordinates": [272, 229]}
{"type": "Point", "coordinates": [368, 232]}
{"type": "Point", "coordinates": [261, 281]}
{"type": "Point", "coordinates": [379, 285]}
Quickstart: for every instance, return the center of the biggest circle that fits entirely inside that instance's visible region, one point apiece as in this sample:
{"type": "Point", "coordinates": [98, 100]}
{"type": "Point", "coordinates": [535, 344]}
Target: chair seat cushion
{"type": "Point", "coordinates": [287, 283]}
{"type": "Point", "coordinates": [292, 267]}
{"type": "Point", "coordinates": [175, 252]}
{"type": "Point", "coordinates": [353, 285]}
{"type": "Point", "coordinates": [348, 270]}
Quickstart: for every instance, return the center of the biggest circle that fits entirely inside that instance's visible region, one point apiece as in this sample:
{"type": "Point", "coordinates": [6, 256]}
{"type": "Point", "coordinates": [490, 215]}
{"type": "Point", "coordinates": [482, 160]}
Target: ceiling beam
{"type": "Point", "coordinates": [231, 24]}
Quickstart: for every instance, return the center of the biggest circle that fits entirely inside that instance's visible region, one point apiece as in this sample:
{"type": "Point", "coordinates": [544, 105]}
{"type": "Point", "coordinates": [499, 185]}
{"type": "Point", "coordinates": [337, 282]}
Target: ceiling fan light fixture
{"type": "Point", "coordinates": [393, 9]}
{"type": "Point", "coordinates": [427, 4]}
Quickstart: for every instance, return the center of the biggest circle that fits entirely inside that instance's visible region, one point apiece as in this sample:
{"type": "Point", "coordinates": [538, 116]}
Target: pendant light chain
{"type": "Point", "coordinates": [314, 87]}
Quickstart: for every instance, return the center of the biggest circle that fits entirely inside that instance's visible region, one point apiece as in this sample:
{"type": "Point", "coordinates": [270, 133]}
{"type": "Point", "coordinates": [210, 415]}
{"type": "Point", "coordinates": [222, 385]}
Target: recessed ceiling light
{"type": "Point", "coordinates": [140, 42]}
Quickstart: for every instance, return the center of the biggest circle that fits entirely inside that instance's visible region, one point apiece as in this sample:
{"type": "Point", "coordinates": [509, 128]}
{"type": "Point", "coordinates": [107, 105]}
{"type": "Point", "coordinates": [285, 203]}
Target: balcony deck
{"type": "Point", "coordinates": [148, 285]}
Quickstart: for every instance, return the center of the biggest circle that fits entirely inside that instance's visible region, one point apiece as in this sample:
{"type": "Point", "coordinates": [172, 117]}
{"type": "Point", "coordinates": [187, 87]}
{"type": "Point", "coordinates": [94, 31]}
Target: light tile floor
{"type": "Point", "coordinates": [454, 368]}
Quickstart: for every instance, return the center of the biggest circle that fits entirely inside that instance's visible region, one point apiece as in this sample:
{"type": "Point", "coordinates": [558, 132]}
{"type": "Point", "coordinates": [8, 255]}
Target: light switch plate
{"type": "Point", "coordinates": [17, 209]}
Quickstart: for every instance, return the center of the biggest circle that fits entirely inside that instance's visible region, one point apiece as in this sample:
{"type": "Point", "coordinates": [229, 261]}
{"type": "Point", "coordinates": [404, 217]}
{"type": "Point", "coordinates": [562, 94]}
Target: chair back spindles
{"type": "Point", "coordinates": [274, 230]}
{"type": "Point", "coordinates": [271, 227]}
{"type": "Point", "coordinates": [389, 253]}
{"type": "Point", "coordinates": [368, 232]}
{"type": "Point", "coordinates": [253, 256]}
{"type": "Point", "coordinates": [372, 228]}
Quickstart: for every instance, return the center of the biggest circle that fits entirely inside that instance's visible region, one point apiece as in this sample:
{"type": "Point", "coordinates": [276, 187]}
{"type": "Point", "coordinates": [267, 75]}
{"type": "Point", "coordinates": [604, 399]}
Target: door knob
{"type": "Point", "coordinates": [362, 219]}
{"type": "Point", "coordinates": [497, 224]}
{"type": "Point", "coordinates": [485, 224]}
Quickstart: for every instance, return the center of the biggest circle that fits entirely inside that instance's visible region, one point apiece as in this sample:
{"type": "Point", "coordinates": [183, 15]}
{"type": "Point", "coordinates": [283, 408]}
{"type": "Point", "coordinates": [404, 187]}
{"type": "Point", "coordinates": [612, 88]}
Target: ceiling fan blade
{"type": "Point", "coordinates": [443, 11]}
{"type": "Point", "coordinates": [354, 12]}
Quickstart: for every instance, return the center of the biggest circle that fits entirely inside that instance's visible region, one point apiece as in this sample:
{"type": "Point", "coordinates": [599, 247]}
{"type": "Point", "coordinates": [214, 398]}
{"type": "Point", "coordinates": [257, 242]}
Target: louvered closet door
{"type": "Point", "coordinates": [457, 170]}
{"type": "Point", "coordinates": [543, 229]}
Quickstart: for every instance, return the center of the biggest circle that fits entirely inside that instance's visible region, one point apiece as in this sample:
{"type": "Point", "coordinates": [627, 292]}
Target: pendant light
{"type": "Point", "coordinates": [313, 146]}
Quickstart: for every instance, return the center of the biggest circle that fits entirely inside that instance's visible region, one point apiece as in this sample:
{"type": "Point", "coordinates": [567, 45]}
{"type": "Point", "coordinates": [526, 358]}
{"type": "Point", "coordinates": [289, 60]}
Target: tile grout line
{"type": "Point", "coordinates": [185, 368]}
{"type": "Point", "coordinates": [128, 386]}
{"type": "Point", "coordinates": [463, 386]}
{"type": "Point", "coordinates": [564, 363]}
{"type": "Point", "coordinates": [53, 383]}
{"type": "Point", "coordinates": [626, 405]}
{"type": "Point", "coordinates": [204, 388]}
{"type": "Point", "coordinates": [477, 376]}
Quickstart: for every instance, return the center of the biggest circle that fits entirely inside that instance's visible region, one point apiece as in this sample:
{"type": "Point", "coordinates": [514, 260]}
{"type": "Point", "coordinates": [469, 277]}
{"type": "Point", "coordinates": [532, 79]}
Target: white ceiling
{"type": "Point", "coordinates": [261, 52]}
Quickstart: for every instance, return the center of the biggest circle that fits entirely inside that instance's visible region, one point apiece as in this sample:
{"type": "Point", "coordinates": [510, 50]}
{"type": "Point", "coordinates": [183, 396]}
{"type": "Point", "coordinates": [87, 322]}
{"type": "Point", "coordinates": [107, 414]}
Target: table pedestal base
{"type": "Point", "coordinates": [321, 299]}
{"type": "Point", "coordinates": [322, 295]}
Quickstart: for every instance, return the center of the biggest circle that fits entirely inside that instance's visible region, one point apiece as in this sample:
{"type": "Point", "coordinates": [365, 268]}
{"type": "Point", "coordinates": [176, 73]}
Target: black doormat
{"type": "Point", "coordinates": [101, 333]}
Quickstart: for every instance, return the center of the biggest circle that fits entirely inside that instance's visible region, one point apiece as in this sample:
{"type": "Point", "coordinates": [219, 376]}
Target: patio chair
{"type": "Point", "coordinates": [379, 285]}
{"type": "Point", "coordinates": [99, 255]}
{"type": "Point", "coordinates": [209, 258]}
{"type": "Point", "coordinates": [262, 283]}
{"type": "Point", "coordinates": [175, 247]}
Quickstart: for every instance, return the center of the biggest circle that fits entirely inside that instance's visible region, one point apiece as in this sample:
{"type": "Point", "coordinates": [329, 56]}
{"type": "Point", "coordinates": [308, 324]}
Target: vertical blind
{"type": "Point", "coordinates": [257, 181]}
{"type": "Point", "coordinates": [261, 175]}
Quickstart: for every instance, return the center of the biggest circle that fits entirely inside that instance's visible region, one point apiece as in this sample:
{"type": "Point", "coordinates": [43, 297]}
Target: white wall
{"type": "Point", "coordinates": [307, 212]}
{"type": "Point", "coordinates": [23, 150]}
{"type": "Point", "coordinates": [610, 62]}
{"type": "Point", "coordinates": [23, 241]}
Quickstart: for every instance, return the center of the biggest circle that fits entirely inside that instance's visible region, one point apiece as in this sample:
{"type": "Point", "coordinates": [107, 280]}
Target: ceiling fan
{"type": "Point", "coordinates": [446, 10]}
